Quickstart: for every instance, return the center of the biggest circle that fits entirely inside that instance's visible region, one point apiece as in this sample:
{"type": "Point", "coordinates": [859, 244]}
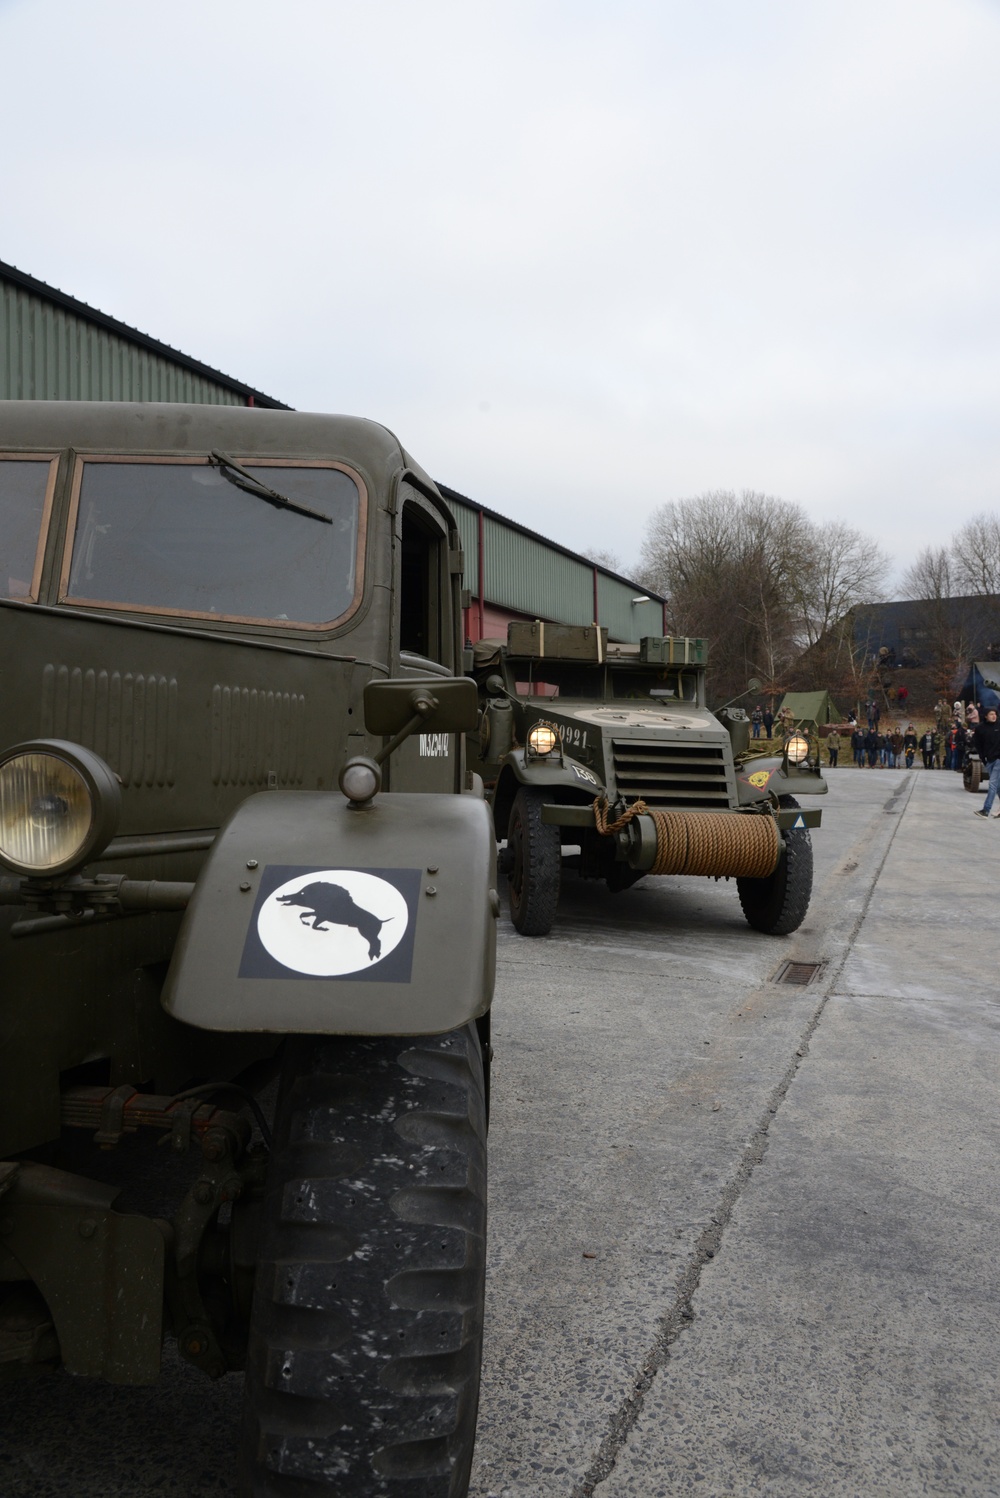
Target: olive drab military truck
{"type": "Point", "coordinates": [240, 846]}
{"type": "Point", "coordinates": [611, 749]}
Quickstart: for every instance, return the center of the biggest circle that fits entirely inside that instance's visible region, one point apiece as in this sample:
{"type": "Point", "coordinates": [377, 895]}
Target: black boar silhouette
{"type": "Point", "coordinates": [324, 902]}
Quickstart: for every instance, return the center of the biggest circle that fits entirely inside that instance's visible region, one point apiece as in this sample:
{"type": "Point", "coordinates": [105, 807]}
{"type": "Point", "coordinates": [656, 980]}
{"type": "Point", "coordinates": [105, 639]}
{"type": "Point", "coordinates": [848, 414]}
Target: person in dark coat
{"type": "Point", "coordinates": [910, 745]}
{"type": "Point", "coordinates": [872, 748]}
{"type": "Point", "coordinates": [858, 747]}
{"type": "Point", "coordinates": [928, 748]}
{"type": "Point", "coordinates": [987, 741]}
{"type": "Point", "coordinates": [768, 721]}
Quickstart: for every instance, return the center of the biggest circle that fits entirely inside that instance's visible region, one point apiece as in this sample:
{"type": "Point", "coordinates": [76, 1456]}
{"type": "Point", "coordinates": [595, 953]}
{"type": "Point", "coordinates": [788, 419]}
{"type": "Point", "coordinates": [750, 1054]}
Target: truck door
{"type": "Point", "coordinates": [426, 635]}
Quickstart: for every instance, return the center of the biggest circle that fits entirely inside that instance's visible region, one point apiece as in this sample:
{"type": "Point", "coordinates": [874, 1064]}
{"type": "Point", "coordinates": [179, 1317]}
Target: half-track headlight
{"type": "Point", "coordinates": [542, 739]}
{"type": "Point", "coordinates": [797, 748]}
{"type": "Point", "coordinates": [59, 807]}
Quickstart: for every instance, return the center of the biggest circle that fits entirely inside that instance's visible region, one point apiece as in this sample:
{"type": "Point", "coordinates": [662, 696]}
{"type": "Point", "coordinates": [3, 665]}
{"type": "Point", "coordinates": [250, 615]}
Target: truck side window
{"type": "Point", "coordinates": [420, 612]}
{"type": "Point", "coordinates": [25, 492]}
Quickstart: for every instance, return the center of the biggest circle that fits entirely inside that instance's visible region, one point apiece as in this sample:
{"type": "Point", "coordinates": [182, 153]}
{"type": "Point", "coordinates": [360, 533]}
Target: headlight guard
{"type": "Point", "coordinates": [797, 748]}
{"type": "Point", "coordinates": [543, 739]}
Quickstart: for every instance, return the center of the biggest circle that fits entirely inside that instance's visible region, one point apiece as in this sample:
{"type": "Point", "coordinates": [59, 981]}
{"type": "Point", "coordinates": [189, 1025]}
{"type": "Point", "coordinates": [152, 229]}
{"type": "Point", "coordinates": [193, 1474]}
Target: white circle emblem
{"type": "Point", "coordinates": [332, 922]}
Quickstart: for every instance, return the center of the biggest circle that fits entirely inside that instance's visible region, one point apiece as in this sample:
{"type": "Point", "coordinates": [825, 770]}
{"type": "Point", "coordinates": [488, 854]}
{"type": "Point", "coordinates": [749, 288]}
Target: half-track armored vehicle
{"type": "Point", "coordinates": [242, 856]}
{"type": "Point", "coordinates": [612, 749]}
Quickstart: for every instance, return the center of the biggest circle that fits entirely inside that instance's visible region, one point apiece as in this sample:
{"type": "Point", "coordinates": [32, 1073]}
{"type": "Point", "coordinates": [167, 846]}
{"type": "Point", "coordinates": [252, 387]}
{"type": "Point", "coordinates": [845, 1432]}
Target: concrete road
{"type": "Point", "coordinates": [744, 1232]}
{"type": "Point", "coordinates": [741, 1231]}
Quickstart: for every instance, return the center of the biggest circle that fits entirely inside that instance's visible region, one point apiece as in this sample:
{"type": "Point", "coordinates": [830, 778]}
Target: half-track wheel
{"type": "Point", "coordinates": [777, 905]}
{"type": "Point", "coordinates": [535, 863]}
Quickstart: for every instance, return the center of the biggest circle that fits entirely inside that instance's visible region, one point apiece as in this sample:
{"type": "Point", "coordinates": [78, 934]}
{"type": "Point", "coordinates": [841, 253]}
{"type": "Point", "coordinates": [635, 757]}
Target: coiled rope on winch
{"type": "Point", "coordinates": [741, 846]}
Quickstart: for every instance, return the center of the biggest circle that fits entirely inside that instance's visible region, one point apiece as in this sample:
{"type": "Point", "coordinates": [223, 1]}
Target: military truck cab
{"type": "Point", "coordinates": [612, 749]}
{"type": "Point", "coordinates": [240, 845]}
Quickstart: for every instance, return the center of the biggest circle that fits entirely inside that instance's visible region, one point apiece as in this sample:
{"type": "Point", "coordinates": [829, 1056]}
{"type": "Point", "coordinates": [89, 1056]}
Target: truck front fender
{"type": "Point", "coordinates": [760, 778]}
{"type": "Point", "coordinates": [569, 780]}
{"type": "Point", "coordinates": [314, 916]}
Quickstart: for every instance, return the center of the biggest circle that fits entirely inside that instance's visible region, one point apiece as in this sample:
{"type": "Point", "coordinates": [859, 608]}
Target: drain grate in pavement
{"type": "Point", "coordinates": [797, 972]}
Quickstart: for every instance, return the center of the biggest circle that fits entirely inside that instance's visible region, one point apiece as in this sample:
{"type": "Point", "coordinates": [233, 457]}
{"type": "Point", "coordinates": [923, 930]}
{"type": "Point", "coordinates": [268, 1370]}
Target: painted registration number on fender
{"type": "Point", "coordinates": [434, 745]}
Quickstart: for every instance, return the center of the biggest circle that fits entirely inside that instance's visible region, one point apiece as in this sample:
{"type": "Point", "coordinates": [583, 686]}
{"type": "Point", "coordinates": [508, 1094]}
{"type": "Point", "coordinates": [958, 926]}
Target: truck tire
{"type": "Point", "coordinates": [777, 905]}
{"type": "Point", "coordinates": [535, 861]}
{"type": "Point", "coordinates": [367, 1323]}
{"type": "Point", "coordinates": [972, 775]}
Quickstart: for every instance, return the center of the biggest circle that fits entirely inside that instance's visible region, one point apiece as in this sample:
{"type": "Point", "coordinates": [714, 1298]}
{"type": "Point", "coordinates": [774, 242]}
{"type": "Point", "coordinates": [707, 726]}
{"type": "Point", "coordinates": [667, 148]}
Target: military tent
{"type": "Point", "coordinates": [811, 707]}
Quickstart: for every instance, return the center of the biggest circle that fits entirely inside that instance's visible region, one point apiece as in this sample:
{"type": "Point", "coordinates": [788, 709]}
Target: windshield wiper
{"type": "Point", "coordinates": [251, 485]}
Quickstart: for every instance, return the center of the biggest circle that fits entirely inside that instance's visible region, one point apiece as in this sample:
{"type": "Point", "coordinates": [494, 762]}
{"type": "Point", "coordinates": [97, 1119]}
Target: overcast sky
{"type": "Point", "coordinates": [583, 258]}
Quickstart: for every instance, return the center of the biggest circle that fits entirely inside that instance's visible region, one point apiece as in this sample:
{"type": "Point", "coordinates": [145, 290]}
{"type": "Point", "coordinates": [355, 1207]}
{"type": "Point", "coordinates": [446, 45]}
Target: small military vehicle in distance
{"type": "Point", "coordinates": [612, 749]}
{"type": "Point", "coordinates": [242, 858]}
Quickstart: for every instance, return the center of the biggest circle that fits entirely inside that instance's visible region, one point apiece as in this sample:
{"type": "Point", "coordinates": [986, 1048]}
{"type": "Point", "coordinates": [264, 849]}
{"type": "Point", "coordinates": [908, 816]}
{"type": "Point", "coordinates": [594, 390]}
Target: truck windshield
{"type": "Point", "coordinates": [659, 683]}
{"type": "Point", "coordinates": [176, 537]}
{"type": "Point", "coordinates": [23, 486]}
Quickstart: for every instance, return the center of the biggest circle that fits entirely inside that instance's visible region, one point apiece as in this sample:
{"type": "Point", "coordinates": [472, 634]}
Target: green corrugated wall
{"type": "Point", "coordinates": [529, 577]}
{"type": "Point", "coordinates": [47, 353]}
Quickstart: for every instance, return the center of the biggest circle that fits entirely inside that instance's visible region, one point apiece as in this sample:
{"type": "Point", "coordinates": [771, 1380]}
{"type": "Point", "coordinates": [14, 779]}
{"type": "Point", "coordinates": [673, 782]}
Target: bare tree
{"type": "Point", "coordinates": [606, 559]}
{"type": "Point", "coordinates": [931, 575]}
{"type": "Point", "coordinates": [975, 551]}
{"type": "Point", "coordinates": [730, 566]}
{"type": "Point", "coordinates": [845, 569]}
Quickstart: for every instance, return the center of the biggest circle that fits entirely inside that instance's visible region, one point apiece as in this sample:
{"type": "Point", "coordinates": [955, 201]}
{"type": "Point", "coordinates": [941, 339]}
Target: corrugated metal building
{"type": "Point", "coordinates": [53, 347]}
{"type": "Point", "coordinates": [526, 576]}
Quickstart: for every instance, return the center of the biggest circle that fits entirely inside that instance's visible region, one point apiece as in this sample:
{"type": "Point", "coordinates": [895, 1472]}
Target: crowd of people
{"type": "Point", "coordinates": [874, 750]}
{"type": "Point", "coordinates": [768, 725]}
{"type": "Point", "coordinates": [958, 729]}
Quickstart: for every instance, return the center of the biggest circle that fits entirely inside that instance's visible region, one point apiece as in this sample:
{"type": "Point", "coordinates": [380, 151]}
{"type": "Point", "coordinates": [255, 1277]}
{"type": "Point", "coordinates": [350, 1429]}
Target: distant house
{"type": "Point", "coordinates": [917, 631]}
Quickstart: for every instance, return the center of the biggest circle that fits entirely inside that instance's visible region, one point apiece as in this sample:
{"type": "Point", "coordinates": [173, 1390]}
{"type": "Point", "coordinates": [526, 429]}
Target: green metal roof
{"type": "Point", "coordinates": [54, 348]}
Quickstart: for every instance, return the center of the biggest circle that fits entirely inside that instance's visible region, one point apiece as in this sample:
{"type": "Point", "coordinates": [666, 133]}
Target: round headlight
{"type": "Point", "coordinates": [360, 779]}
{"type": "Point", "coordinates": [59, 805]}
{"type": "Point", "coordinates": [542, 739]}
{"type": "Point", "coordinates": [797, 748]}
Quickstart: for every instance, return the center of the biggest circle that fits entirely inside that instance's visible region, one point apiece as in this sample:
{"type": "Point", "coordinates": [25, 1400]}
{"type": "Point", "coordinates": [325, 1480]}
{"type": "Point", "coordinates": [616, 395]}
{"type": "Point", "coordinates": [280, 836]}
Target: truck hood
{"type": "Point", "coordinates": [611, 717]}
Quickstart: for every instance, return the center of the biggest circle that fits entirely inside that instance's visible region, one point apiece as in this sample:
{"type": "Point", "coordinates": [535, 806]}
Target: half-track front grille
{"type": "Point", "coordinates": [674, 774]}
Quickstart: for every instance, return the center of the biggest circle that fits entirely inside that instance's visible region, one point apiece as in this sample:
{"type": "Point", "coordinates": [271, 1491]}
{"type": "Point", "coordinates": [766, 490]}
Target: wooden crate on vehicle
{"type": "Point", "coordinates": [677, 650]}
{"type": "Point", "coordinates": [544, 640]}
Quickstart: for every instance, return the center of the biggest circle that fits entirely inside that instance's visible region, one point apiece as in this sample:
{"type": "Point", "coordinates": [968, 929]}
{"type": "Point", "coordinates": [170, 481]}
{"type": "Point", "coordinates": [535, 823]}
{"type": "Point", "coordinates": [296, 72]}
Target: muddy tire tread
{"type": "Point", "coordinates": [366, 1335]}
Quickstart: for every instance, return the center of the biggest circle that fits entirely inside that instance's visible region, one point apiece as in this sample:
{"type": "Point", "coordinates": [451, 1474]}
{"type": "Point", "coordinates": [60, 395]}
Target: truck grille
{"type": "Point", "coordinates": [671, 774]}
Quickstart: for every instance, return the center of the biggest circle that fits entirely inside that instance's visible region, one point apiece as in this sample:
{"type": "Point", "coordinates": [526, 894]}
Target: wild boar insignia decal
{"type": "Point", "coordinates": [330, 902]}
{"type": "Point", "coordinates": [346, 924]}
